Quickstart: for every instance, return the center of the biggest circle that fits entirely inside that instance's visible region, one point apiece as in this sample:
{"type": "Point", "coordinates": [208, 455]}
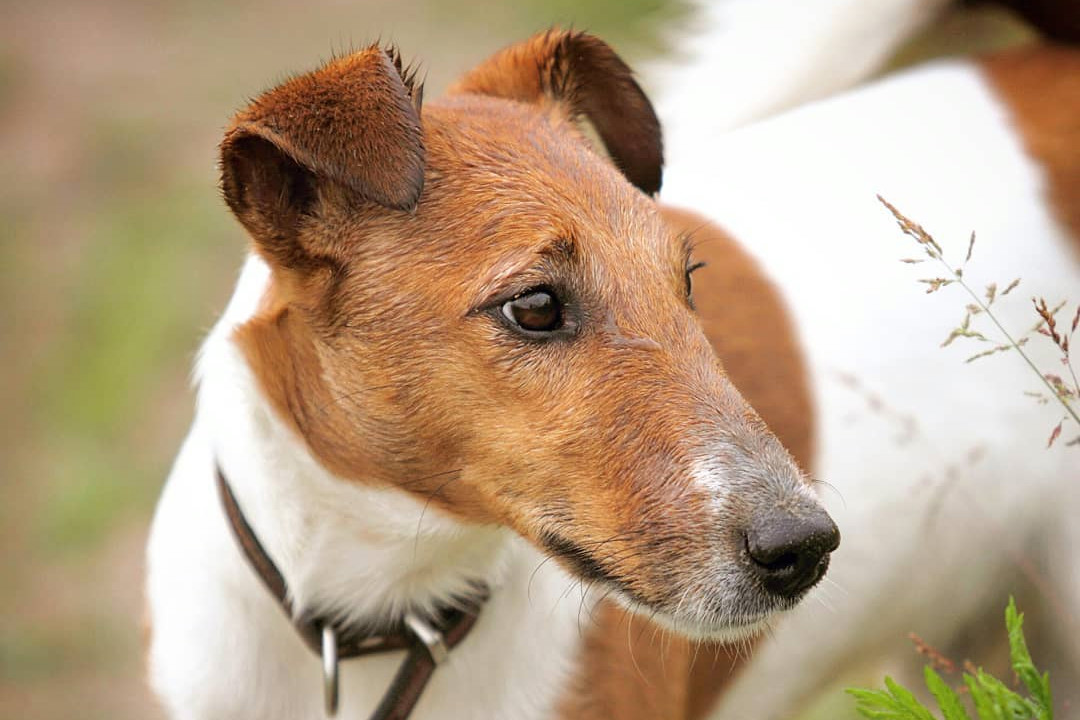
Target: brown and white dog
{"type": "Point", "coordinates": [465, 344]}
{"type": "Point", "coordinates": [393, 436]}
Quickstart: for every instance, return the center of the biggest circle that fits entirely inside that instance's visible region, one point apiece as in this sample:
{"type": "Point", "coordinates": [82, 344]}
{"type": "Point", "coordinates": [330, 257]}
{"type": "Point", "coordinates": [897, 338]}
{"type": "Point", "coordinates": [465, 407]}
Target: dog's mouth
{"type": "Point", "coordinates": [740, 612]}
{"type": "Point", "coordinates": [583, 563]}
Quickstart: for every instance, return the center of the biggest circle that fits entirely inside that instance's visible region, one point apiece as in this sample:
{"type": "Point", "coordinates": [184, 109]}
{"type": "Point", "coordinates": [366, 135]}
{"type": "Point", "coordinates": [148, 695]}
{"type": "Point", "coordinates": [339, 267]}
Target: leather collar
{"type": "Point", "coordinates": [428, 641]}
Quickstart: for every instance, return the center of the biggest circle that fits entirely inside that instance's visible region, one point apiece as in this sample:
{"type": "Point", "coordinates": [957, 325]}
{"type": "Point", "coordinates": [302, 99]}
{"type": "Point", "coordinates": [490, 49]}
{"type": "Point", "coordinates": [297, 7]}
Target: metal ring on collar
{"type": "Point", "coordinates": [330, 669]}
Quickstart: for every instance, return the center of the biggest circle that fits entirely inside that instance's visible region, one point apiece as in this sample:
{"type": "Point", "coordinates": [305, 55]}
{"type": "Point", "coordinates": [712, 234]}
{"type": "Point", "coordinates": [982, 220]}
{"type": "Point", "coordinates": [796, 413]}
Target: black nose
{"type": "Point", "coordinates": [789, 551]}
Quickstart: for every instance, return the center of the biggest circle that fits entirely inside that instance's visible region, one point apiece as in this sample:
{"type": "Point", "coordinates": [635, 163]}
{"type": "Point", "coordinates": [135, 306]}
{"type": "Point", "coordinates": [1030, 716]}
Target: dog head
{"type": "Point", "coordinates": [472, 303]}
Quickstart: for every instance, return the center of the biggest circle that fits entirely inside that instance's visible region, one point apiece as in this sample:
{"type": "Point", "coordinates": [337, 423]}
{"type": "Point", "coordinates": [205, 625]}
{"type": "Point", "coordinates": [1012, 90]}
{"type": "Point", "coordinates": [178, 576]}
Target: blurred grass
{"type": "Point", "coordinates": [38, 652]}
{"type": "Point", "coordinates": [632, 23]}
{"type": "Point", "coordinates": [132, 316]}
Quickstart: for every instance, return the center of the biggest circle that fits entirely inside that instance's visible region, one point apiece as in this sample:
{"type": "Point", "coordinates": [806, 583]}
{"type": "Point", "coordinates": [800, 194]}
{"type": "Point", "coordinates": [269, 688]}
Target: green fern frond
{"type": "Point", "coordinates": [991, 698]}
{"type": "Point", "coordinates": [1038, 685]}
{"type": "Point", "coordinates": [951, 706]}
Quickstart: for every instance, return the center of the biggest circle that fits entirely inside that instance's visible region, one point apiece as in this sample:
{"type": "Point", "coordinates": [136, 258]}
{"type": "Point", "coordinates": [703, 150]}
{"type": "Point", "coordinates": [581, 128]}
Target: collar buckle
{"type": "Point", "coordinates": [433, 639]}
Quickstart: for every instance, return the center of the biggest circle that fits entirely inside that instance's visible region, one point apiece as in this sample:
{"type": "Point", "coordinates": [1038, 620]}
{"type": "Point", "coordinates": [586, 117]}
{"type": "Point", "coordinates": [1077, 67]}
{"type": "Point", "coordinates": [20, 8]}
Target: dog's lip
{"type": "Point", "coordinates": [732, 629]}
{"type": "Point", "coordinates": [587, 567]}
{"type": "Point", "coordinates": [583, 563]}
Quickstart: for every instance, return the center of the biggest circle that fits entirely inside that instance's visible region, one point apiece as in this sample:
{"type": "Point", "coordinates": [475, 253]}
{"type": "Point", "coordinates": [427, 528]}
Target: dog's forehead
{"type": "Point", "coordinates": [509, 167]}
{"type": "Point", "coordinates": [496, 128]}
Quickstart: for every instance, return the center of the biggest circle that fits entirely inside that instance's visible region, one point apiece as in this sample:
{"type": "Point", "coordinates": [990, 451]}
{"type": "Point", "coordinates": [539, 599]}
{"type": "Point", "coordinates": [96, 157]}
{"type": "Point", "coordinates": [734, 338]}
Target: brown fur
{"type": "Point", "coordinates": [381, 344]}
{"type": "Point", "coordinates": [634, 670]}
{"type": "Point", "coordinates": [1041, 86]}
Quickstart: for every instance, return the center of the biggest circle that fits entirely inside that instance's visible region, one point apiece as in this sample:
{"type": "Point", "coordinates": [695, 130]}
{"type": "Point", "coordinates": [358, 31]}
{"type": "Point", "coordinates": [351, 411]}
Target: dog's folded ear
{"type": "Point", "coordinates": [584, 76]}
{"type": "Point", "coordinates": [354, 122]}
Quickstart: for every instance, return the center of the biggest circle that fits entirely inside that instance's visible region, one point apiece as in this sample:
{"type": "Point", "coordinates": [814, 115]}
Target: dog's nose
{"type": "Point", "coordinates": [789, 551]}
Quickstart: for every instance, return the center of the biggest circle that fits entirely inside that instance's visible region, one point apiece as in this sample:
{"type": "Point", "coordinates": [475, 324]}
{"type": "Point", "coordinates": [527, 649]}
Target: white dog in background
{"type": "Point", "coordinates": [754, 58]}
{"type": "Point", "coordinates": [945, 492]}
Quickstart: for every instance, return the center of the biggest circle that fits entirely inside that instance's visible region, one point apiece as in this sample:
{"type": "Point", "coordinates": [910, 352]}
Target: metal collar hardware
{"type": "Point", "coordinates": [428, 641]}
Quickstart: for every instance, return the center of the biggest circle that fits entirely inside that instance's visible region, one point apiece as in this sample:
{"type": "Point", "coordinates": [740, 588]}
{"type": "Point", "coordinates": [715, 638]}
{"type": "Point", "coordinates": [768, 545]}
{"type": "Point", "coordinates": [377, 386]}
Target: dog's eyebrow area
{"type": "Point", "coordinates": [527, 267]}
{"type": "Point", "coordinates": [620, 338]}
{"type": "Point", "coordinates": [687, 241]}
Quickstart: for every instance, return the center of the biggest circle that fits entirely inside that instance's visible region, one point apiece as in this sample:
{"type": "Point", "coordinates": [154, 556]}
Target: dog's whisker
{"type": "Point", "coordinates": [454, 475]}
{"type": "Point", "coordinates": [833, 584]}
{"type": "Point", "coordinates": [832, 488]}
{"type": "Point", "coordinates": [630, 643]}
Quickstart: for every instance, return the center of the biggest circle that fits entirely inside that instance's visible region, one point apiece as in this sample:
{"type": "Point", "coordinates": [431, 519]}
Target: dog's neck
{"type": "Point", "coordinates": [349, 551]}
{"type": "Point", "coordinates": [359, 553]}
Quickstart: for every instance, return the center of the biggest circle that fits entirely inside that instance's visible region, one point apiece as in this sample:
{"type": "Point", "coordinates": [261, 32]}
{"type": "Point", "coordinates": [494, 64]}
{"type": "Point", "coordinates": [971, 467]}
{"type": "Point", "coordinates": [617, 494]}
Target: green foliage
{"type": "Point", "coordinates": [628, 24]}
{"type": "Point", "coordinates": [992, 699]}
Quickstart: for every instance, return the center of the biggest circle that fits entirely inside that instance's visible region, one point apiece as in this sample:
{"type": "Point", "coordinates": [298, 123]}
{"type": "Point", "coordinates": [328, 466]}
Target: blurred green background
{"type": "Point", "coordinates": [116, 254]}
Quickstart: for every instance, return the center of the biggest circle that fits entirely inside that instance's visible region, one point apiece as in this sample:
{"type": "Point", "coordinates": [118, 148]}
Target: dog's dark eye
{"type": "Point", "coordinates": [536, 311]}
{"type": "Point", "coordinates": [689, 282]}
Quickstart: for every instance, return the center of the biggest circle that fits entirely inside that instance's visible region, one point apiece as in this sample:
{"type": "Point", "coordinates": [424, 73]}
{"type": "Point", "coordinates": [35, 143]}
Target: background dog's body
{"type": "Point", "coordinates": [740, 61]}
{"type": "Point", "coordinates": [745, 60]}
{"type": "Point", "coordinates": [947, 495]}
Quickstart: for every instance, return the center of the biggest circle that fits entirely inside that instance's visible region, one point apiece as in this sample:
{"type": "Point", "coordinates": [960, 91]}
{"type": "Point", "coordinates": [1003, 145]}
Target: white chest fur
{"type": "Point", "coordinates": [221, 647]}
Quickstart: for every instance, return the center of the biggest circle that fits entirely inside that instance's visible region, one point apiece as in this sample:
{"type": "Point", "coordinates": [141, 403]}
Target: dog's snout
{"type": "Point", "coordinates": [790, 552]}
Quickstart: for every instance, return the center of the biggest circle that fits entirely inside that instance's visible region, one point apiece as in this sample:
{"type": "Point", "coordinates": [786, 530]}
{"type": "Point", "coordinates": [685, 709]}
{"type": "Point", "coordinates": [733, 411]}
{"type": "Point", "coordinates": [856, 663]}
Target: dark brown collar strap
{"type": "Point", "coordinates": [428, 641]}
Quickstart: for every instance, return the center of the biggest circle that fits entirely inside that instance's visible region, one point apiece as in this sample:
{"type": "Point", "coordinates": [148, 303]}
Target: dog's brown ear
{"type": "Point", "coordinates": [354, 122]}
{"type": "Point", "coordinates": [584, 75]}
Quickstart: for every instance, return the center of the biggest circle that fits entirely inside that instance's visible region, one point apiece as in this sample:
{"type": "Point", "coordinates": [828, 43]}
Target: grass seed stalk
{"type": "Point", "coordinates": [1064, 391]}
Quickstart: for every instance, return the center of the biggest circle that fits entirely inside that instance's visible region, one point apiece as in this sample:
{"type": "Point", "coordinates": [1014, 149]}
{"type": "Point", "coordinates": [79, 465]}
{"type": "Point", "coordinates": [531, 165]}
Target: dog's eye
{"type": "Point", "coordinates": [689, 282]}
{"type": "Point", "coordinates": [536, 311]}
